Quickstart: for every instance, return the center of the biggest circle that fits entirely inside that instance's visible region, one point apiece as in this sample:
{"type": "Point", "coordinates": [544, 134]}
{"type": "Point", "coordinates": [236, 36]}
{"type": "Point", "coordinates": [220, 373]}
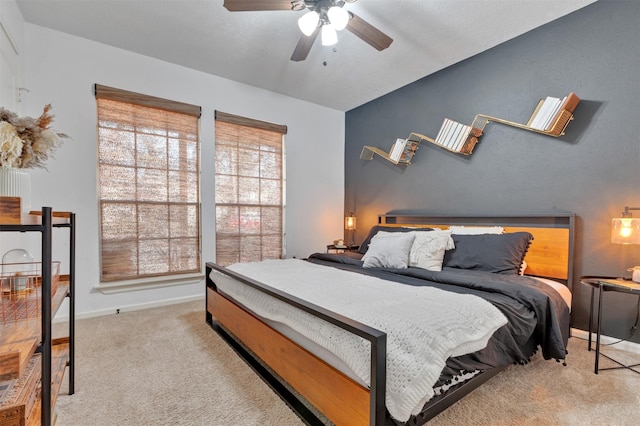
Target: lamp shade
{"type": "Point", "coordinates": [309, 22]}
{"type": "Point", "coordinates": [338, 17]}
{"type": "Point", "coordinates": [625, 230]}
{"type": "Point", "coordinates": [350, 222]}
{"type": "Point", "coordinates": [329, 35]}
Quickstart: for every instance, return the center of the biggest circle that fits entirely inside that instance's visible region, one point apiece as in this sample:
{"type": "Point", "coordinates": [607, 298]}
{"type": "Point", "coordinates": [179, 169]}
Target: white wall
{"type": "Point", "coordinates": [11, 46]}
{"type": "Point", "coordinates": [61, 69]}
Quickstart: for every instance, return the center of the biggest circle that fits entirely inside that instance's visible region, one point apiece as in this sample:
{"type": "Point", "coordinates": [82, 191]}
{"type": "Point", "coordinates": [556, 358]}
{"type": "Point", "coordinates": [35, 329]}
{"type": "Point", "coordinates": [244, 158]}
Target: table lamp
{"type": "Point", "coordinates": [350, 225]}
{"type": "Point", "coordinates": [626, 230]}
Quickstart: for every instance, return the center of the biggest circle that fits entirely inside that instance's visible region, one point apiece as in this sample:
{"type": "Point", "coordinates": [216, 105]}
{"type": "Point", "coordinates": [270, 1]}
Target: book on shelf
{"type": "Point", "coordinates": [444, 131]}
{"type": "Point", "coordinates": [393, 147]}
{"type": "Point", "coordinates": [475, 131]}
{"type": "Point", "coordinates": [397, 149]}
{"type": "Point", "coordinates": [551, 110]}
{"type": "Point", "coordinates": [568, 104]}
{"type": "Point", "coordinates": [462, 138]}
{"type": "Point", "coordinates": [554, 113]}
{"type": "Point", "coordinates": [545, 112]}
{"type": "Point", "coordinates": [453, 140]}
{"type": "Point", "coordinates": [535, 113]}
{"type": "Point", "coordinates": [453, 135]}
{"type": "Point", "coordinates": [441, 132]}
{"type": "Point", "coordinates": [409, 150]}
{"type": "Point", "coordinates": [469, 144]}
{"type": "Point", "coordinates": [571, 102]}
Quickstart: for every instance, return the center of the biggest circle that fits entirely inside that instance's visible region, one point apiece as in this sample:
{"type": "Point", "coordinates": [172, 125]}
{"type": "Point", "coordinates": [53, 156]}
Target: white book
{"type": "Point", "coordinates": [394, 149]}
{"type": "Point", "coordinates": [398, 147]}
{"type": "Point", "coordinates": [553, 114]}
{"type": "Point", "coordinates": [544, 112]}
{"type": "Point", "coordinates": [451, 141]}
{"type": "Point", "coordinates": [538, 118]}
{"type": "Point", "coordinates": [438, 138]}
{"type": "Point", "coordinates": [445, 134]}
{"type": "Point", "coordinates": [464, 133]}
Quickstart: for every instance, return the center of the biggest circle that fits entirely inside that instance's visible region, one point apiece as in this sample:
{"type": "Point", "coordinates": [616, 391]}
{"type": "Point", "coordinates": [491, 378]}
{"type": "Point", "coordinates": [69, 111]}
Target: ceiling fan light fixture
{"type": "Point", "coordinates": [338, 17]}
{"type": "Point", "coordinates": [309, 22]}
{"type": "Point", "coordinates": [329, 35]}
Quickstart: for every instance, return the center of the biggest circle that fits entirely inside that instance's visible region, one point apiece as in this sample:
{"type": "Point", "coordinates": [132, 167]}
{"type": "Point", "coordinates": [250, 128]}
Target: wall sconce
{"type": "Point", "coordinates": [625, 229]}
{"type": "Point", "coordinates": [350, 225]}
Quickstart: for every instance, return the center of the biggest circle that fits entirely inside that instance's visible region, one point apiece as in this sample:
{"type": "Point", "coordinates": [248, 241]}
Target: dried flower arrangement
{"type": "Point", "coordinates": [27, 142]}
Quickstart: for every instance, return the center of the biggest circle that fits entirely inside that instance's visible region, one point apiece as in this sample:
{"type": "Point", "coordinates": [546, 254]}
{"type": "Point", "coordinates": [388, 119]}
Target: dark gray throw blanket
{"type": "Point", "coordinates": [537, 314]}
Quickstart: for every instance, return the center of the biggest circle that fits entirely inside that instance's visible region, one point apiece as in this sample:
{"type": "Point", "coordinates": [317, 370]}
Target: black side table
{"type": "Point", "coordinates": [340, 249]}
{"type": "Point", "coordinates": [604, 284]}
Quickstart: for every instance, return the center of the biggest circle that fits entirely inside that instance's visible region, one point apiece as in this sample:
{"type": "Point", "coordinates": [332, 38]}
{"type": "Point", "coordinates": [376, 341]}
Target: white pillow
{"type": "Point", "coordinates": [389, 250]}
{"type": "Point", "coordinates": [474, 230]}
{"type": "Point", "coordinates": [428, 249]}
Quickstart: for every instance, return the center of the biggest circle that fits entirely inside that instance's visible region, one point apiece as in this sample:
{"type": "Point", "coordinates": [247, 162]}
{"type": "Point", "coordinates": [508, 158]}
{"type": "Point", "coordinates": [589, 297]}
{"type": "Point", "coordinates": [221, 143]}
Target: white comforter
{"type": "Point", "coordinates": [424, 326]}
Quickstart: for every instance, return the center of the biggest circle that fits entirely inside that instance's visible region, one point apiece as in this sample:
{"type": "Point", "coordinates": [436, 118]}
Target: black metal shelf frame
{"type": "Point", "coordinates": [46, 230]}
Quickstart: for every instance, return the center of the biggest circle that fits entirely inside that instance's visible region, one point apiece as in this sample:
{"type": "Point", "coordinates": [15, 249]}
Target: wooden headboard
{"type": "Point", "coordinates": [550, 254]}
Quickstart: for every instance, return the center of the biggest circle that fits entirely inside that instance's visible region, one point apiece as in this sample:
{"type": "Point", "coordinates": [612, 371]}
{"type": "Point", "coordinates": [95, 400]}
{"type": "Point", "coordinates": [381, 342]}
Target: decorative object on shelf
{"type": "Point", "coordinates": [20, 279]}
{"type": "Point", "coordinates": [17, 271]}
{"type": "Point", "coordinates": [402, 151]}
{"type": "Point", "coordinates": [10, 210]}
{"type": "Point", "coordinates": [350, 225]}
{"type": "Point", "coordinates": [16, 182]}
{"type": "Point", "coordinates": [635, 273]}
{"type": "Point", "coordinates": [550, 117]}
{"type": "Point", "coordinates": [25, 143]}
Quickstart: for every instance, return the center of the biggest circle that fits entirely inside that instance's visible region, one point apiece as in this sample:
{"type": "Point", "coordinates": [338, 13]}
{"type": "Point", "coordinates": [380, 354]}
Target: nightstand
{"type": "Point", "coordinates": [341, 249]}
{"type": "Point", "coordinates": [604, 284]}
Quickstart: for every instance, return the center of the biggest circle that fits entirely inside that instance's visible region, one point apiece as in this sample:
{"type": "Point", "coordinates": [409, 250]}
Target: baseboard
{"type": "Point", "coordinates": [625, 345]}
{"type": "Point", "coordinates": [131, 308]}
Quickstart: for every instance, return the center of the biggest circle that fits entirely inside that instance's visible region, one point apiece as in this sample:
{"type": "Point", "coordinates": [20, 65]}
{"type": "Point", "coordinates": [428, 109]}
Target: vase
{"type": "Point", "coordinates": [16, 183]}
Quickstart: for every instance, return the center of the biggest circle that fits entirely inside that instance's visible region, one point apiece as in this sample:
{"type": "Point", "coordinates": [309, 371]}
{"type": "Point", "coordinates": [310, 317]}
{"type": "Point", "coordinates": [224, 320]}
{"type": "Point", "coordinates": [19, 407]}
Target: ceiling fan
{"type": "Point", "coordinates": [323, 16]}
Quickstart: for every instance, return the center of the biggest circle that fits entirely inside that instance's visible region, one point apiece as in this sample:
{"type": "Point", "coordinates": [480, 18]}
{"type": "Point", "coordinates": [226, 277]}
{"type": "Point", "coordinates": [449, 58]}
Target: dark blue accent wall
{"type": "Point", "coordinates": [593, 170]}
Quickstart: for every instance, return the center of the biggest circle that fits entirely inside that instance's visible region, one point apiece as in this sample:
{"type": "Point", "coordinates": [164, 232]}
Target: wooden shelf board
{"type": "Point", "coordinates": [14, 357]}
{"type": "Point", "coordinates": [59, 359]}
{"type": "Point", "coordinates": [35, 218]}
{"type": "Point", "coordinates": [22, 395]}
{"type": "Point", "coordinates": [19, 339]}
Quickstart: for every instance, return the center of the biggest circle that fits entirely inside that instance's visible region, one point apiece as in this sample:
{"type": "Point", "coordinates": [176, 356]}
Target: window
{"type": "Point", "coordinates": [148, 178]}
{"type": "Point", "coordinates": [249, 189]}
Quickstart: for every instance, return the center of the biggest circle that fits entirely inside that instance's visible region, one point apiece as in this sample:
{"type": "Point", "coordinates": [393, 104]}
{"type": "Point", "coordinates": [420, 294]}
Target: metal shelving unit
{"type": "Point", "coordinates": [55, 355]}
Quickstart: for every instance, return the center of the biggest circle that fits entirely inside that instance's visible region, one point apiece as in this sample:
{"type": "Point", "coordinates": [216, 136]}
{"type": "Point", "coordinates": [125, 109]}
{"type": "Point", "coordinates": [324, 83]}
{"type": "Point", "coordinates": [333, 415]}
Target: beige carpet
{"type": "Point", "coordinates": [166, 366]}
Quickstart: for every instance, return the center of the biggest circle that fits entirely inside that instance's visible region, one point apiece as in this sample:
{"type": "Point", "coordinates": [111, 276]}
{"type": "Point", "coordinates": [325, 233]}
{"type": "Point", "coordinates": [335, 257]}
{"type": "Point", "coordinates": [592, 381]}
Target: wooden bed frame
{"type": "Point", "coordinates": [301, 378]}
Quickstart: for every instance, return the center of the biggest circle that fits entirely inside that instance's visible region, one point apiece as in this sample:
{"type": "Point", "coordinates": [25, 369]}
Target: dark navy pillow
{"type": "Point", "coordinates": [498, 253]}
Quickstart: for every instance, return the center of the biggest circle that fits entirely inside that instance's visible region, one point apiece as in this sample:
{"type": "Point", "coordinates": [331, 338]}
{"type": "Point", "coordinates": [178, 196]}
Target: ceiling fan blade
{"type": "Point", "coordinates": [251, 5]}
{"type": "Point", "coordinates": [368, 32]}
{"type": "Point", "coordinates": [304, 46]}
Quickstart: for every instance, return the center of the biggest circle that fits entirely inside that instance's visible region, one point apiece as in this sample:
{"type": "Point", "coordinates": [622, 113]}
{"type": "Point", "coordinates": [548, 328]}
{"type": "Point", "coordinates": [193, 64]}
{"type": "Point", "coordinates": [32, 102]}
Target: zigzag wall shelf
{"type": "Point", "coordinates": [550, 117]}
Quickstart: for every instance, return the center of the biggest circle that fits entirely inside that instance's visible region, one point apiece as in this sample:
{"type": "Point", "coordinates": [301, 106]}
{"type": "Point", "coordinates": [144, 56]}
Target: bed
{"type": "Point", "coordinates": [323, 387]}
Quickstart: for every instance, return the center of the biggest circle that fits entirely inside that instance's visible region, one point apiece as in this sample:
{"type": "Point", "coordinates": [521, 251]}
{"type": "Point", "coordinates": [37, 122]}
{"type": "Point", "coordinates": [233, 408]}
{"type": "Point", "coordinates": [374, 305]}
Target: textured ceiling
{"type": "Point", "coordinates": [255, 47]}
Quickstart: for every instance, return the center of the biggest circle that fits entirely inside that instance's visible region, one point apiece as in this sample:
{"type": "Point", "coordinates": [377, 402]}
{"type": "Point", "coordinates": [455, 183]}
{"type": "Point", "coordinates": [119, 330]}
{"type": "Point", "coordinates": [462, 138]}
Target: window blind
{"type": "Point", "coordinates": [149, 186]}
{"type": "Point", "coordinates": [249, 189]}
